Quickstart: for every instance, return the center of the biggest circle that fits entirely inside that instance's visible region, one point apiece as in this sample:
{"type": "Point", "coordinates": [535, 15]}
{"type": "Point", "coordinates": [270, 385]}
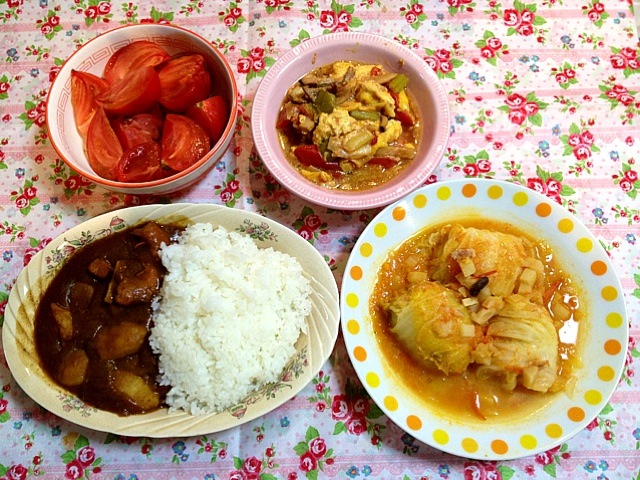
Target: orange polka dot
{"type": "Point", "coordinates": [469, 190]}
{"type": "Point", "coordinates": [612, 347]}
{"type": "Point", "coordinates": [598, 267]}
{"type": "Point", "coordinates": [356, 272]}
{"type": "Point", "coordinates": [398, 213]}
{"type": "Point", "coordinates": [469, 445]}
{"type": "Point", "coordinates": [543, 209]}
{"type": "Point", "coordinates": [553, 430]}
{"type": "Point", "coordinates": [606, 373]}
{"type": "Point", "coordinates": [360, 354]}
{"type": "Point", "coordinates": [500, 447]}
{"type": "Point", "coordinates": [414, 423]}
{"type": "Point", "coordinates": [494, 192]}
{"type": "Point", "coordinates": [609, 293]}
{"type": "Point", "coordinates": [576, 414]}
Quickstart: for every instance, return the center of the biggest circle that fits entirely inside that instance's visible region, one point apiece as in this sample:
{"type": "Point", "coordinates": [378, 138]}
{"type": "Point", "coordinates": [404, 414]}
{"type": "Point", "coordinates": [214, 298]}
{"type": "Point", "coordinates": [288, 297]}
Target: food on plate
{"type": "Point", "coordinates": [123, 115]}
{"type": "Point", "coordinates": [227, 318]}
{"type": "Point", "coordinates": [349, 125]}
{"type": "Point", "coordinates": [479, 318]}
{"type": "Point", "coordinates": [153, 316]}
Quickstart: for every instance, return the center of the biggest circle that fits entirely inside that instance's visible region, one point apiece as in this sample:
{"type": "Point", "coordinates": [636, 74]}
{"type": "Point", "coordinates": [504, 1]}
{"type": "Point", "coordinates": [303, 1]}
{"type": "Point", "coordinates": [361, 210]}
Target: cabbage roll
{"type": "Point", "coordinates": [433, 325]}
{"type": "Point", "coordinates": [465, 254]}
{"type": "Point", "coordinates": [521, 339]}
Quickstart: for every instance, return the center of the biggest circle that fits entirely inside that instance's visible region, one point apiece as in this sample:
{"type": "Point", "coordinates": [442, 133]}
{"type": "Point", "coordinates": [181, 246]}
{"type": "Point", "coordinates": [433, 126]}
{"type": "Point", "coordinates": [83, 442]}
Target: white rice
{"type": "Point", "coordinates": [227, 317]}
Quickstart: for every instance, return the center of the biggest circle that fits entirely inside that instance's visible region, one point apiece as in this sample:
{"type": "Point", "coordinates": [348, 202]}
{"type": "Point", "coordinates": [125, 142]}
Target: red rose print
{"type": "Point", "coordinates": [251, 468]}
{"type": "Point", "coordinates": [511, 17]}
{"type": "Point", "coordinates": [586, 137]}
{"type": "Point", "coordinates": [74, 470]}
{"type": "Point", "coordinates": [256, 53]}
{"type": "Point", "coordinates": [4, 87]}
{"type": "Point", "coordinates": [484, 166]}
{"type": "Point", "coordinates": [628, 52]}
{"type": "Point", "coordinates": [229, 21]}
{"type": "Point", "coordinates": [244, 65]}
{"type": "Point", "coordinates": [625, 99]}
{"type": "Point", "coordinates": [104, 8]}
{"type": "Point", "coordinates": [446, 67]}
{"type": "Point", "coordinates": [226, 195]}
{"type": "Point", "coordinates": [305, 232]}
{"type": "Point", "coordinates": [561, 78]}
{"type": "Point", "coordinates": [470, 169]}
{"type": "Point", "coordinates": [481, 471]}
{"type": "Point", "coordinates": [46, 28]}
{"type": "Point", "coordinates": [417, 8]}
{"type": "Point", "coordinates": [494, 43]}
{"type": "Point", "coordinates": [340, 407]}
{"type": "Point", "coordinates": [515, 100]}
{"type": "Point", "coordinates": [328, 19]}
{"type": "Point", "coordinates": [574, 140]}
{"type": "Point", "coordinates": [344, 18]}
{"type": "Point", "coordinates": [17, 472]}
{"type": "Point", "coordinates": [553, 186]}
{"type": "Point", "coordinates": [86, 456]}
{"type": "Point", "coordinates": [411, 17]}
{"type": "Point", "coordinates": [233, 185]}
{"type": "Point", "coordinates": [237, 475]}
{"type": "Point", "coordinates": [593, 15]}
{"type": "Point", "coordinates": [582, 152]}
{"type": "Point", "coordinates": [356, 426]}
{"type": "Point", "coordinates": [91, 12]}
{"type": "Point", "coordinates": [318, 447]}
{"type": "Point", "coordinates": [598, 7]}
{"type": "Point", "coordinates": [313, 221]}
{"type": "Point", "coordinates": [626, 185]}
{"type": "Point", "coordinates": [631, 175]}
{"type": "Point", "coordinates": [487, 52]}
{"type": "Point", "coordinates": [308, 462]}
{"type": "Point", "coordinates": [517, 116]}
{"type": "Point", "coordinates": [527, 16]}
{"type": "Point", "coordinates": [525, 30]}
{"type": "Point", "coordinates": [443, 54]}
{"type": "Point", "coordinates": [258, 65]}
{"type": "Point", "coordinates": [433, 62]}
{"type": "Point", "coordinates": [531, 108]}
{"type": "Point", "coordinates": [22, 201]}
{"type": "Point", "coordinates": [619, 61]}
{"type": "Point", "coordinates": [3, 405]}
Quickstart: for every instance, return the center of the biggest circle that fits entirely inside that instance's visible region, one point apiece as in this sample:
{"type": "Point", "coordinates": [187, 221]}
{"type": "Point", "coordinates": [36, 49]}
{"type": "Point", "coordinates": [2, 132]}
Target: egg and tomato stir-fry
{"type": "Point", "coordinates": [150, 115]}
{"type": "Point", "coordinates": [349, 125]}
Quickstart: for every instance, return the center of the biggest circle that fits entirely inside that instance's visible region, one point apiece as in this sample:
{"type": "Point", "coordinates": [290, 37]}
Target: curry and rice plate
{"type": "Point", "coordinates": [154, 316]}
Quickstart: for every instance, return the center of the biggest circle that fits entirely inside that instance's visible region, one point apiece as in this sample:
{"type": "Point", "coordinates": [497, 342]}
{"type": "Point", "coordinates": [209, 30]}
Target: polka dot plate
{"type": "Point", "coordinates": [603, 345]}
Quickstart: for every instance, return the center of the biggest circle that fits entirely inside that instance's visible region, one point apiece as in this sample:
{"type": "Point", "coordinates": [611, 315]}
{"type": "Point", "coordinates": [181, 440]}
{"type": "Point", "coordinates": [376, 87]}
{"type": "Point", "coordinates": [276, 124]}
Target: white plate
{"type": "Point", "coordinates": [605, 328]}
{"type": "Point", "coordinates": [313, 348]}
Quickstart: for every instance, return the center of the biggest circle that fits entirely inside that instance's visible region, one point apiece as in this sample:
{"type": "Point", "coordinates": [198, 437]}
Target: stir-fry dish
{"type": "Point", "coordinates": [478, 318]}
{"type": "Point", "coordinates": [93, 322]}
{"type": "Point", "coordinates": [349, 126]}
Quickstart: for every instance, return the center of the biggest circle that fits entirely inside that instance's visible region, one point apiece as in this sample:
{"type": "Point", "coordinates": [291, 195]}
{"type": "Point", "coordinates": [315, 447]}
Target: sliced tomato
{"type": "Point", "coordinates": [136, 93]}
{"type": "Point", "coordinates": [184, 81]}
{"type": "Point", "coordinates": [140, 164]}
{"type": "Point", "coordinates": [138, 129]}
{"type": "Point", "coordinates": [384, 162]}
{"type": "Point", "coordinates": [103, 148]}
{"type": "Point", "coordinates": [84, 88]}
{"type": "Point", "coordinates": [212, 115]}
{"type": "Point", "coordinates": [310, 156]}
{"type": "Point", "coordinates": [184, 142]}
{"type": "Point", "coordinates": [142, 53]}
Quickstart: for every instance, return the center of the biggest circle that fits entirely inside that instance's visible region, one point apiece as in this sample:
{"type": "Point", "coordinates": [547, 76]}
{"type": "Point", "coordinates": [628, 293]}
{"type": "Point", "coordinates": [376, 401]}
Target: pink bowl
{"type": "Point", "coordinates": [432, 104]}
{"type": "Point", "coordinates": [92, 57]}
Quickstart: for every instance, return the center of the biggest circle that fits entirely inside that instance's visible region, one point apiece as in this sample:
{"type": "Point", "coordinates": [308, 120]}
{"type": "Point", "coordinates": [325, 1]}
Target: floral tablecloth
{"type": "Point", "coordinates": [544, 94]}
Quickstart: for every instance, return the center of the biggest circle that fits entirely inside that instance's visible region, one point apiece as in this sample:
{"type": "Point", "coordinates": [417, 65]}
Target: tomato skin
{"type": "Point", "coordinates": [212, 115]}
{"type": "Point", "coordinates": [310, 156]}
{"type": "Point", "coordinates": [103, 148]}
{"type": "Point", "coordinates": [184, 142]}
{"type": "Point", "coordinates": [138, 129]}
{"type": "Point", "coordinates": [384, 162]}
{"type": "Point", "coordinates": [184, 81]}
{"type": "Point", "coordinates": [136, 93]}
{"type": "Point", "coordinates": [140, 164]}
{"type": "Point", "coordinates": [142, 53]}
{"type": "Point", "coordinates": [84, 88]}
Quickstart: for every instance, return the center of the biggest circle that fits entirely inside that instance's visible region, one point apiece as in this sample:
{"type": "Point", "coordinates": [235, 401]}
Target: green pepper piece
{"type": "Point", "coordinates": [365, 115]}
{"type": "Point", "coordinates": [398, 83]}
{"type": "Point", "coordinates": [325, 101]}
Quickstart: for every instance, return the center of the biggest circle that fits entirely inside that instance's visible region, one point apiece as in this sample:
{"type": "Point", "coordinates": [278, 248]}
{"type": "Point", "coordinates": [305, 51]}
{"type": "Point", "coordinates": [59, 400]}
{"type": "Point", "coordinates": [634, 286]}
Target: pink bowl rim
{"type": "Point", "coordinates": [215, 149]}
{"type": "Point", "coordinates": [375, 197]}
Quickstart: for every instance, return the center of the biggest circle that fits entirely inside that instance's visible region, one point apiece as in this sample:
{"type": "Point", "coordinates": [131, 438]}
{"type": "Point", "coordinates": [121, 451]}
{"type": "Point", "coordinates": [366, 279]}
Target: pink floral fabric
{"type": "Point", "coordinates": [544, 94]}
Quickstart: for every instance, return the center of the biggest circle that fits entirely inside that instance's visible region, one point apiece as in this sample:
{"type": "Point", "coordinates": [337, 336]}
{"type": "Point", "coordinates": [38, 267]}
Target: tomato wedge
{"type": "Point", "coordinates": [310, 156]}
{"type": "Point", "coordinates": [84, 88]}
{"type": "Point", "coordinates": [138, 129]}
{"type": "Point", "coordinates": [141, 53]}
{"type": "Point", "coordinates": [184, 142]}
{"type": "Point", "coordinates": [212, 115]}
{"type": "Point", "coordinates": [135, 93]}
{"type": "Point", "coordinates": [184, 80]}
{"type": "Point", "coordinates": [103, 148]}
{"type": "Point", "coordinates": [140, 164]}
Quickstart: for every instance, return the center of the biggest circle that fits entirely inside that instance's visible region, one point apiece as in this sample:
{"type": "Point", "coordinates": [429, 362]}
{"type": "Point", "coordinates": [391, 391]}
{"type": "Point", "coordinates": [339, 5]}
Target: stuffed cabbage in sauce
{"type": "Point", "coordinates": [349, 125]}
{"type": "Point", "coordinates": [485, 317]}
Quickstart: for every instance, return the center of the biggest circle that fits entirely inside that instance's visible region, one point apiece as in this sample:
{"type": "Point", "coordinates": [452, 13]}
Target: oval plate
{"type": "Point", "coordinates": [312, 349]}
{"type": "Point", "coordinates": [578, 251]}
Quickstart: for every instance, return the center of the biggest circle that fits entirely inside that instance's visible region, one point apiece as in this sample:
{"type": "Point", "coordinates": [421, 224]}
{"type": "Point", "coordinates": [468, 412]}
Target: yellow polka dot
{"type": "Point", "coordinates": [352, 300]}
{"type": "Point", "coordinates": [414, 423]}
{"type": "Point", "coordinates": [614, 320]}
{"type": "Point", "coordinates": [398, 213]}
{"type": "Point", "coordinates": [565, 225]}
{"type": "Point", "coordinates": [609, 293]}
{"type": "Point", "coordinates": [500, 447]}
{"type": "Point", "coordinates": [469, 445]}
{"type": "Point", "coordinates": [441, 437]}
{"type": "Point", "coordinates": [353, 327]}
{"type": "Point", "coordinates": [372, 379]}
{"type": "Point", "coordinates": [598, 267]}
{"type": "Point", "coordinates": [380, 230]}
{"type": "Point", "coordinates": [528, 441]}
{"type": "Point", "coordinates": [606, 373]}
{"type": "Point", "coordinates": [553, 430]}
{"type": "Point", "coordinates": [543, 210]}
{"type": "Point", "coordinates": [360, 353]}
{"type": "Point", "coordinates": [420, 201]}
{"type": "Point", "coordinates": [356, 272]}
{"type": "Point", "coordinates": [494, 192]}
{"type": "Point", "coordinates": [443, 193]}
{"type": "Point", "coordinates": [366, 249]}
{"type": "Point", "coordinates": [593, 397]}
{"type": "Point", "coordinates": [576, 414]}
{"type": "Point", "coordinates": [520, 199]}
{"type": "Point", "coordinates": [584, 245]}
{"type": "Point", "coordinates": [612, 347]}
{"type": "Point", "coordinates": [469, 190]}
{"type": "Point", "coordinates": [391, 403]}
